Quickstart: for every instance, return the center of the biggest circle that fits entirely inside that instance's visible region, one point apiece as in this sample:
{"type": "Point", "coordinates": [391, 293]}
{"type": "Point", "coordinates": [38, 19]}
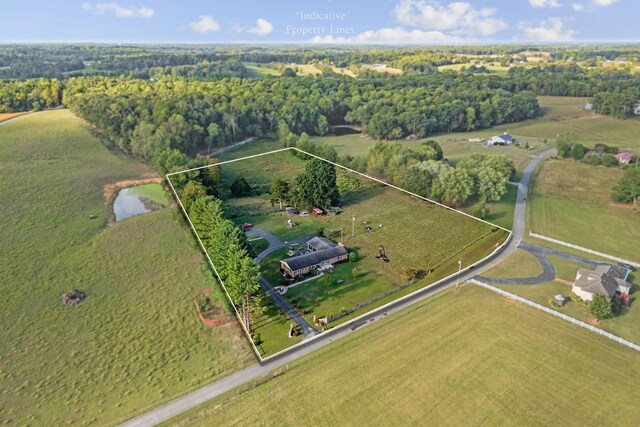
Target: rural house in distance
{"type": "Point", "coordinates": [625, 157]}
{"type": "Point", "coordinates": [504, 139]}
{"type": "Point", "coordinates": [322, 255]}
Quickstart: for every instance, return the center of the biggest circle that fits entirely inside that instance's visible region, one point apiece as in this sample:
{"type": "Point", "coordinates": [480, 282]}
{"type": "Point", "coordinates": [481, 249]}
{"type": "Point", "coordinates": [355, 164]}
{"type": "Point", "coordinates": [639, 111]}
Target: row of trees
{"type": "Point", "coordinates": [227, 247]}
{"type": "Point", "coordinates": [422, 171]}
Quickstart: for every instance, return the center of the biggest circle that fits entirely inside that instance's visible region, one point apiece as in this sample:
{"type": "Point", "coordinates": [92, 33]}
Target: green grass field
{"type": "Point", "coordinates": [468, 357]}
{"type": "Point", "coordinates": [136, 340]}
{"type": "Point", "coordinates": [415, 234]}
{"type": "Point", "coordinates": [523, 264]}
{"type": "Point", "coordinates": [260, 70]}
{"type": "Point", "coordinates": [571, 202]}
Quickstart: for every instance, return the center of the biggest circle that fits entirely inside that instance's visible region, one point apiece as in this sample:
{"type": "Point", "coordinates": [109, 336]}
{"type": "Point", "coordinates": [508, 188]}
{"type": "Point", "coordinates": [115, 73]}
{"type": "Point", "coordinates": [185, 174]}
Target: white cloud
{"type": "Point", "coordinates": [578, 7]}
{"type": "Point", "coordinates": [119, 11]}
{"type": "Point", "coordinates": [544, 3]}
{"type": "Point", "coordinates": [603, 3]}
{"type": "Point", "coordinates": [205, 24]}
{"type": "Point", "coordinates": [391, 36]}
{"type": "Point", "coordinates": [262, 28]}
{"type": "Point", "coordinates": [550, 30]}
{"type": "Point", "coordinates": [460, 18]}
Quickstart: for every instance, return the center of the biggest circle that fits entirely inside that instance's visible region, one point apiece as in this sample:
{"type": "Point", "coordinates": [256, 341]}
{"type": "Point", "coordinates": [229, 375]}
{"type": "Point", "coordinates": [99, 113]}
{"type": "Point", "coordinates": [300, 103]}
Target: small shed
{"type": "Point", "coordinates": [559, 299]}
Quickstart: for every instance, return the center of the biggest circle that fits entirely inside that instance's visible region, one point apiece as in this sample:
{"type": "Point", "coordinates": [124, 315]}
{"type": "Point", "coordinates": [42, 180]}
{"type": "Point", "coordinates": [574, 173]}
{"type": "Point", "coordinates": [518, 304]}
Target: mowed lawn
{"type": "Point", "coordinates": [625, 324]}
{"type": "Point", "coordinates": [572, 202]}
{"type": "Point", "coordinates": [135, 341]}
{"type": "Point", "coordinates": [468, 357]}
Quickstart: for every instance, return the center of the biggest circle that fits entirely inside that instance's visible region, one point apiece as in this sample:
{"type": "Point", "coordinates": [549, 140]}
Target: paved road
{"type": "Point", "coordinates": [226, 384]}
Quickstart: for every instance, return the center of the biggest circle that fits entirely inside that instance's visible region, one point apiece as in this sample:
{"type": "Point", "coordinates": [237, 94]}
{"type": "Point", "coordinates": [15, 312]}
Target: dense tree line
{"type": "Point", "coordinates": [30, 95]}
{"type": "Point", "coordinates": [141, 116]}
{"type": "Point", "coordinates": [226, 246]}
{"type": "Point", "coordinates": [202, 71]}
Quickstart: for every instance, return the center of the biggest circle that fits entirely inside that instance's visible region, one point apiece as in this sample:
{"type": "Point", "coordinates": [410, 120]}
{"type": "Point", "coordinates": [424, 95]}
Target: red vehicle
{"type": "Point", "coordinates": [246, 226]}
{"type": "Point", "coordinates": [317, 211]}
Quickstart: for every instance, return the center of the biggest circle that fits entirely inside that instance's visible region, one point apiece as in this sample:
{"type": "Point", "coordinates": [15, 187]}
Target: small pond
{"type": "Point", "coordinates": [139, 200]}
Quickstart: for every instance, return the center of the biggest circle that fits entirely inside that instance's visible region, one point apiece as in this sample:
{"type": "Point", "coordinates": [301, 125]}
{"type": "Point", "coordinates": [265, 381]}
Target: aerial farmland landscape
{"type": "Point", "coordinates": [409, 212]}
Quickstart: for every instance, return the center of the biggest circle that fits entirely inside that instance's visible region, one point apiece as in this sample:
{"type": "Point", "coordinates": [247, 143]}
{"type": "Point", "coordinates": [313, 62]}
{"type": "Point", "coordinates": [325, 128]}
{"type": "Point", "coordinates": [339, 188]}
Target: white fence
{"type": "Point", "coordinates": [557, 314]}
{"type": "Point", "coordinates": [583, 249]}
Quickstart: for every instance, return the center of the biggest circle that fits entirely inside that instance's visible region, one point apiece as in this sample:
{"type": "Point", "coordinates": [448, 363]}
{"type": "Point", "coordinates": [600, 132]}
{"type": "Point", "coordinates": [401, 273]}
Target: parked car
{"type": "Point", "coordinates": [291, 211]}
{"type": "Point", "coordinates": [246, 226]}
{"type": "Point", "coordinates": [317, 211]}
{"type": "Point", "coordinates": [304, 213]}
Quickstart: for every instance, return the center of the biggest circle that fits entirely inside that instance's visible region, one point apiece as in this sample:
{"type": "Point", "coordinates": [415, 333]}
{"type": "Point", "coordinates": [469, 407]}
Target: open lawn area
{"type": "Point", "coordinates": [415, 234]}
{"type": "Point", "coordinates": [522, 264]}
{"type": "Point", "coordinates": [260, 70]}
{"type": "Point", "coordinates": [135, 341]}
{"type": "Point", "coordinates": [466, 357]}
{"type": "Point", "coordinates": [571, 202]}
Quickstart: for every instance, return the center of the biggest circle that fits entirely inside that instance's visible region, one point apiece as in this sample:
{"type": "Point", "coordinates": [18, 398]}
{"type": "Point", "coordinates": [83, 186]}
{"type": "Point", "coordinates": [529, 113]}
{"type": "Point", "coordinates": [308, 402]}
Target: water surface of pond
{"type": "Point", "coordinates": [139, 200]}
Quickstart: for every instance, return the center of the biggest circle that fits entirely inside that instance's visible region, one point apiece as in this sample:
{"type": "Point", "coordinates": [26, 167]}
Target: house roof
{"type": "Point", "coordinates": [605, 279]}
{"type": "Point", "coordinates": [504, 137]}
{"type": "Point", "coordinates": [314, 258]}
{"type": "Point", "coordinates": [627, 155]}
{"type": "Point", "coordinates": [320, 243]}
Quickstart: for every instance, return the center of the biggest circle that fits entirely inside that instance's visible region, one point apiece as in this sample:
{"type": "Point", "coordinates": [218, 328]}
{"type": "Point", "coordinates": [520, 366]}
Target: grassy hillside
{"type": "Point", "coordinates": [135, 340]}
{"type": "Point", "coordinates": [468, 357]}
{"type": "Point", "coordinates": [571, 202]}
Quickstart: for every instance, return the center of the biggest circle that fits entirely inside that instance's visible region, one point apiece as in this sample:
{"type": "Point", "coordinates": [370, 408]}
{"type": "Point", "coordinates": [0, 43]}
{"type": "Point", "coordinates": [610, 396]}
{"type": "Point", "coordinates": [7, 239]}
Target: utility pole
{"type": "Point", "coordinates": [353, 225]}
{"type": "Point", "coordinates": [341, 236]}
{"type": "Point", "coordinates": [459, 269]}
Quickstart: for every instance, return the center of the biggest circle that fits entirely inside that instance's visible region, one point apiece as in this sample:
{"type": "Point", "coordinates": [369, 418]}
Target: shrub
{"type": "Point", "coordinates": [609, 160]}
{"type": "Point", "coordinates": [353, 257]}
{"type": "Point", "coordinates": [600, 306]}
{"type": "Point", "coordinates": [240, 187]}
{"type": "Point", "coordinates": [592, 158]}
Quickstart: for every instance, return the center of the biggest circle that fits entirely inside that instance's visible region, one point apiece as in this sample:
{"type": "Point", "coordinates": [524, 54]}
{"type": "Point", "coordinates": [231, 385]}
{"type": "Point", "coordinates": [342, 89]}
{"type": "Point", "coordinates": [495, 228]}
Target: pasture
{"type": "Point", "coordinates": [135, 341]}
{"type": "Point", "coordinates": [462, 357]}
{"type": "Point", "coordinates": [571, 201]}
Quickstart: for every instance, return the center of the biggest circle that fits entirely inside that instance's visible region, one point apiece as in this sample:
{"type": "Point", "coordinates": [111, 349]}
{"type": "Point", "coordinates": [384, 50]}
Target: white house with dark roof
{"type": "Point", "coordinates": [504, 139]}
{"type": "Point", "coordinates": [605, 279]}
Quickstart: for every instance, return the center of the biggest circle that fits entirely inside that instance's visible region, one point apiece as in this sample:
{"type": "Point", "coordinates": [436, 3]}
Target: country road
{"type": "Point", "coordinates": [210, 391]}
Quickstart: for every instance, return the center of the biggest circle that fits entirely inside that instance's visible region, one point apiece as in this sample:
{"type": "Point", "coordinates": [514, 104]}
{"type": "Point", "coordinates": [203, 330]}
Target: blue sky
{"type": "Point", "coordinates": [320, 21]}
